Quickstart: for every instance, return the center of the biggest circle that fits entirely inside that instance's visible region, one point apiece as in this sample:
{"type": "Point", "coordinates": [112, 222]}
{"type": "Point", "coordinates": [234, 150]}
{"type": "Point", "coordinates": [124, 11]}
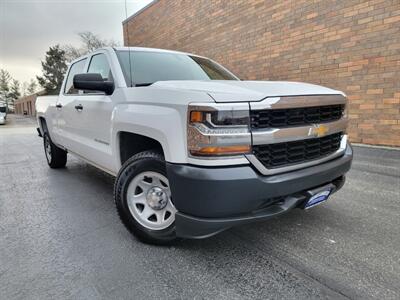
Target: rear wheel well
{"type": "Point", "coordinates": [131, 144]}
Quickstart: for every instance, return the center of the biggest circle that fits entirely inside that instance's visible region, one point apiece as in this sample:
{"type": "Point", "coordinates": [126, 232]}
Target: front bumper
{"type": "Point", "coordinates": [210, 200]}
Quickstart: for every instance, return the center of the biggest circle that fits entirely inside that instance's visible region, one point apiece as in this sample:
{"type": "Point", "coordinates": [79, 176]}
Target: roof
{"type": "Point", "coordinates": [133, 49]}
{"type": "Point", "coordinates": [140, 11]}
{"type": "Point", "coordinates": [145, 49]}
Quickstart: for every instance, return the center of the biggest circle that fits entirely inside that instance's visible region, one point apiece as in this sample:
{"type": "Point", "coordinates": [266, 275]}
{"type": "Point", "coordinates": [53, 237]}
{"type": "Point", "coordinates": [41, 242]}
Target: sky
{"type": "Point", "coordinates": [29, 27]}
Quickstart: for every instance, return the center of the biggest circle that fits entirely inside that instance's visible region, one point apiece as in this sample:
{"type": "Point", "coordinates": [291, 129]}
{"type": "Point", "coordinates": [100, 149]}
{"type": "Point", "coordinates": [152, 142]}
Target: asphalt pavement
{"type": "Point", "coordinates": [61, 238]}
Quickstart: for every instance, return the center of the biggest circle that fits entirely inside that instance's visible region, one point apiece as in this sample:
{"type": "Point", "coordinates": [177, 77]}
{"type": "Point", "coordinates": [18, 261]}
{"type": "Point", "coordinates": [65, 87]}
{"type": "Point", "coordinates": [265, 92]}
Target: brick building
{"type": "Point", "coordinates": [26, 105]}
{"type": "Point", "coordinates": [350, 45]}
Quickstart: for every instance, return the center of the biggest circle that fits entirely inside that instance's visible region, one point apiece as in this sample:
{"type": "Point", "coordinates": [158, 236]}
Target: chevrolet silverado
{"type": "Point", "coordinates": [194, 149]}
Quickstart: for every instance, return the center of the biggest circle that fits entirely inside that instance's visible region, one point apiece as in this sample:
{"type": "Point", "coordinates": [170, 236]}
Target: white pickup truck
{"type": "Point", "coordinates": [194, 149]}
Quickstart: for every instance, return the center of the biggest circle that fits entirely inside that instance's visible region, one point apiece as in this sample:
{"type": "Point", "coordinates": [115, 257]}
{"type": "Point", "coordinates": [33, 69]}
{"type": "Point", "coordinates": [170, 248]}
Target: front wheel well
{"type": "Point", "coordinates": [43, 125]}
{"type": "Point", "coordinates": [132, 143]}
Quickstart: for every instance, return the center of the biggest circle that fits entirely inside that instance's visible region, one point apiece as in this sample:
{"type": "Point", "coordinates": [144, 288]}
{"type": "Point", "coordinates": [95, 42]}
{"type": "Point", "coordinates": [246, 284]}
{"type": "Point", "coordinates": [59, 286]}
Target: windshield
{"type": "Point", "coordinates": [2, 109]}
{"type": "Point", "coordinates": [149, 67]}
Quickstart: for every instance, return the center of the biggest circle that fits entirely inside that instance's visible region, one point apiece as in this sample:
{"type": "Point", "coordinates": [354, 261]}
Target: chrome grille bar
{"type": "Point", "coordinates": [297, 101]}
{"type": "Point", "coordinates": [279, 135]}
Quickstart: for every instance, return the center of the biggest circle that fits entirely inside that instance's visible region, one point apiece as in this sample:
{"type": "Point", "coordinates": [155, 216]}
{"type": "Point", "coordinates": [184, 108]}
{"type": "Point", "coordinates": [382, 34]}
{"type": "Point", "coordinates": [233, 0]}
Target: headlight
{"type": "Point", "coordinates": [218, 130]}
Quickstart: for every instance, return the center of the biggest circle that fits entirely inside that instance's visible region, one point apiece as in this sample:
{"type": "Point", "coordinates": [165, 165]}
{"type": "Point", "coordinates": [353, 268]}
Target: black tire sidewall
{"type": "Point", "coordinates": [58, 157]}
{"type": "Point", "coordinates": [144, 162]}
{"type": "Point", "coordinates": [46, 137]}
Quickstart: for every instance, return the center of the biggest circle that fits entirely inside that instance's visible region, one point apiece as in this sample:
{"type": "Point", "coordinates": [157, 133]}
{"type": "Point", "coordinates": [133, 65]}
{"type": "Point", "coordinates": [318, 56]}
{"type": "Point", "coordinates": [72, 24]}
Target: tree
{"type": "Point", "coordinates": [29, 88]}
{"type": "Point", "coordinates": [32, 87]}
{"type": "Point", "coordinates": [14, 94]}
{"type": "Point", "coordinates": [90, 42]}
{"type": "Point", "coordinates": [54, 67]}
{"type": "Point", "coordinates": [24, 89]}
{"type": "Point", "coordinates": [5, 78]}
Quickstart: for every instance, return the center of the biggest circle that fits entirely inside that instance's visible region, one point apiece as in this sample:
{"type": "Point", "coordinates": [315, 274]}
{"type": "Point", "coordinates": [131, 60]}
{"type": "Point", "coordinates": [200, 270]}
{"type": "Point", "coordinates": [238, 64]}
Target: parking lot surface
{"type": "Point", "coordinates": [60, 238]}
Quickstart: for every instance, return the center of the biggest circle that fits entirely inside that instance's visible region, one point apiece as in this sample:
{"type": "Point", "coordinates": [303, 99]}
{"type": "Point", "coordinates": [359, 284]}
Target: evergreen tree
{"type": "Point", "coordinates": [54, 67]}
{"type": "Point", "coordinates": [14, 94]}
{"type": "Point", "coordinates": [5, 78]}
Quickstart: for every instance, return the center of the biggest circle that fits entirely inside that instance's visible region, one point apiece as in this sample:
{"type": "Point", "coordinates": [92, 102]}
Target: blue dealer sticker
{"type": "Point", "coordinates": [318, 199]}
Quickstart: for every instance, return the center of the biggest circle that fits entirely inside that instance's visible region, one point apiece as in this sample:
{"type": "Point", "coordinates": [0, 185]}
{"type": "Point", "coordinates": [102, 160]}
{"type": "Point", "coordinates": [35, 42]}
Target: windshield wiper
{"type": "Point", "coordinates": [143, 84]}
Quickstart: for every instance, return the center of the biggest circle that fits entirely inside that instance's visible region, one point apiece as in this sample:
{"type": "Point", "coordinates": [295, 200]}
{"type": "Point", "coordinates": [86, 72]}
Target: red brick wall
{"type": "Point", "coordinates": [353, 46]}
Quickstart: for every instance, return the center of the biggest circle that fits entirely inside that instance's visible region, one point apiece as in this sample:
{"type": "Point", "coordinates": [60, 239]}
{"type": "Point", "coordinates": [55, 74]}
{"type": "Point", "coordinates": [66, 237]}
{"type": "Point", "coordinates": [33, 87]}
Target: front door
{"type": "Point", "coordinates": [93, 112]}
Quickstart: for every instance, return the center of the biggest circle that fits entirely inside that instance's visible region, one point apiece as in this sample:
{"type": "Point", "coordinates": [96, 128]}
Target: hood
{"type": "Point", "coordinates": [239, 91]}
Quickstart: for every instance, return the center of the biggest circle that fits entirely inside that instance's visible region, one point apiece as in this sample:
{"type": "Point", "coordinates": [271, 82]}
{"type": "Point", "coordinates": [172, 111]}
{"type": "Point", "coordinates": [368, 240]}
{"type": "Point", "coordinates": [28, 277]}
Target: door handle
{"type": "Point", "coordinates": [79, 107]}
{"type": "Point", "coordinates": [59, 105]}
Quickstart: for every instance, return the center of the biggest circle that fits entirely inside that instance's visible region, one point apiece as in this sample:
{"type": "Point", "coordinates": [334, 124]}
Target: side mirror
{"type": "Point", "coordinates": [93, 82]}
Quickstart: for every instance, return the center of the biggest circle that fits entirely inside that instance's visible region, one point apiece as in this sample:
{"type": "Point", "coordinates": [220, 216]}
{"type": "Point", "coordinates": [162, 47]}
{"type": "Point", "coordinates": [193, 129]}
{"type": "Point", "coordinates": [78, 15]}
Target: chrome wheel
{"type": "Point", "coordinates": [149, 201]}
{"type": "Point", "coordinates": [47, 148]}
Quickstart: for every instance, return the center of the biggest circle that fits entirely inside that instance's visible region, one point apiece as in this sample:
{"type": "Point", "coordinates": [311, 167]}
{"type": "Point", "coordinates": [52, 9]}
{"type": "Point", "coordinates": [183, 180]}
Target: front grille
{"type": "Point", "coordinates": [290, 153]}
{"type": "Point", "coordinates": [279, 118]}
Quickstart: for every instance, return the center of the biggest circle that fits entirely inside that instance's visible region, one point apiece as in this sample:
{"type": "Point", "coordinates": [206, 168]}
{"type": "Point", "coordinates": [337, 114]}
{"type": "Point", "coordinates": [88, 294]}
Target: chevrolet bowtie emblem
{"type": "Point", "coordinates": [318, 130]}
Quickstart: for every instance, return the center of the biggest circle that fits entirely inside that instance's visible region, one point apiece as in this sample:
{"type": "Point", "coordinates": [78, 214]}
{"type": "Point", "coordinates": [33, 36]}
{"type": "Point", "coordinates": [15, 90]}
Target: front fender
{"type": "Point", "coordinates": [165, 124]}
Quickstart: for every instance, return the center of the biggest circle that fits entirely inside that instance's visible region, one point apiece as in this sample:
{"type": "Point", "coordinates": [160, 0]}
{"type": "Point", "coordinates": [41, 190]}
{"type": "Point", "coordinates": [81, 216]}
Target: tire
{"type": "Point", "coordinates": [143, 198]}
{"type": "Point", "coordinates": [55, 156]}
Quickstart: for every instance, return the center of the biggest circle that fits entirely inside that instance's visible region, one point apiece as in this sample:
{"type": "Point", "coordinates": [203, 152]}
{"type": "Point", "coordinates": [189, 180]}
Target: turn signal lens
{"type": "Point", "coordinates": [196, 117]}
{"type": "Point", "coordinates": [231, 150]}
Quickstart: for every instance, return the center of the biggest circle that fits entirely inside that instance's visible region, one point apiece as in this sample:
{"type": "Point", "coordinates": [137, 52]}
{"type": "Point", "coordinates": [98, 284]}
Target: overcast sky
{"type": "Point", "coordinates": [29, 27]}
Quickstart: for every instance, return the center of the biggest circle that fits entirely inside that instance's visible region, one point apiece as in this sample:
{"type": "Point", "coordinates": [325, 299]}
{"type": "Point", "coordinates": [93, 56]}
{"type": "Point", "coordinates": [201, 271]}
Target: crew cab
{"type": "Point", "coordinates": [195, 150]}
